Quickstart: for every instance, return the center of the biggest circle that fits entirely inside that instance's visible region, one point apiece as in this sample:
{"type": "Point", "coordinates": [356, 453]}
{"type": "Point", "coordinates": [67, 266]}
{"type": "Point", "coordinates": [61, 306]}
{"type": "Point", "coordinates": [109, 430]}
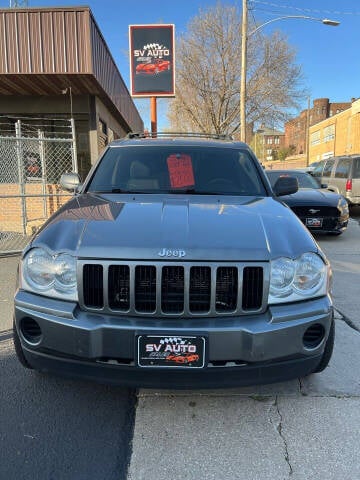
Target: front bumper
{"type": "Point", "coordinates": [243, 350]}
{"type": "Point", "coordinates": [352, 199]}
{"type": "Point", "coordinates": [329, 224]}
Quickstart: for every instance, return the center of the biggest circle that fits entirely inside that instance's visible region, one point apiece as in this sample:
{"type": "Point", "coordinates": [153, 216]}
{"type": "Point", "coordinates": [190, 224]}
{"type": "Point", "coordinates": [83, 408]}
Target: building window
{"type": "Point", "coordinates": [269, 151]}
{"type": "Point", "coordinates": [269, 140]}
{"type": "Point", "coordinates": [331, 113]}
{"type": "Point", "coordinates": [329, 133]}
{"type": "Point", "coordinates": [277, 140]}
{"type": "Point", "coordinates": [315, 138]}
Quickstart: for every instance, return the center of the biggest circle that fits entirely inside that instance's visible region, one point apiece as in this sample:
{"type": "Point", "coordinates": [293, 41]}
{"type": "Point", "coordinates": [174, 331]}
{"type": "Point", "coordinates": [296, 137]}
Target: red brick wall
{"type": "Point", "coordinates": [11, 205]}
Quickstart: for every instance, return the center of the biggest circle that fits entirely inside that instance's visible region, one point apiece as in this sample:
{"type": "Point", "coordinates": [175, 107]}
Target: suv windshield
{"type": "Point", "coordinates": [177, 169]}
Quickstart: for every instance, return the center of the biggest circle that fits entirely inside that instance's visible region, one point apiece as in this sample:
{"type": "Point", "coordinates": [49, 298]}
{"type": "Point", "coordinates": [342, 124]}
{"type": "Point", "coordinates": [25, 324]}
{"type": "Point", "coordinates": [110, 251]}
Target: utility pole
{"type": "Point", "coordinates": [244, 38]}
{"type": "Point", "coordinates": [307, 137]}
{"type": "Point", "coordinates": [244, 27]}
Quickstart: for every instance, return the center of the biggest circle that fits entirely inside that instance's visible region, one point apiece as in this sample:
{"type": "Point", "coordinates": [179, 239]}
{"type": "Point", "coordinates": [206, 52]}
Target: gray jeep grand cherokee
{"type": "Point", "coordinates": [175, 265]}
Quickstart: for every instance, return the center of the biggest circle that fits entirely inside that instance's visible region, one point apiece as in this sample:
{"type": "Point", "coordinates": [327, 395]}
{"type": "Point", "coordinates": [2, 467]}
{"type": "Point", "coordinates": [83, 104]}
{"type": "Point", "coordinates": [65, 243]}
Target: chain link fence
{"type": "Point", "coordinates": [33, 155]}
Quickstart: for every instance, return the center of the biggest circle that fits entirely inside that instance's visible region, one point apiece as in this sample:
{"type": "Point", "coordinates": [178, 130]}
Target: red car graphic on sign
{"type": "Point", "coordinates": [186, 358]}
{"type": "Point", "coordinates": [153, 68]}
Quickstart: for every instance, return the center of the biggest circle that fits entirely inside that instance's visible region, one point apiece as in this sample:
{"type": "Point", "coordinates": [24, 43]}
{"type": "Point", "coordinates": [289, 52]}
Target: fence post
{"type": "Point", "coordinates": [43, 170]}
{"type": "Point", "coordinates": [74, 149]}
{"type": "Point", "coordinates": [20, 165]}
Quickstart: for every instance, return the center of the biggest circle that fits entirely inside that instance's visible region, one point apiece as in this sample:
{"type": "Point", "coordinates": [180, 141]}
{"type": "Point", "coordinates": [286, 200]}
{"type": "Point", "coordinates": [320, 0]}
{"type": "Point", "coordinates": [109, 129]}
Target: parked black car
{"type": "Point", "coordinates": [319, 209]}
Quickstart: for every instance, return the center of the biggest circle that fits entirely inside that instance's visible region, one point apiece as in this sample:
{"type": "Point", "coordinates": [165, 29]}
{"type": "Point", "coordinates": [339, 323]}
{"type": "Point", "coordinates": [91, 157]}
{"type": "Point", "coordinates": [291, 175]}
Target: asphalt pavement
{"type": "Point", "coordinates": [53, 428]}
{"type": "Point", "coordinates": [58, 429]}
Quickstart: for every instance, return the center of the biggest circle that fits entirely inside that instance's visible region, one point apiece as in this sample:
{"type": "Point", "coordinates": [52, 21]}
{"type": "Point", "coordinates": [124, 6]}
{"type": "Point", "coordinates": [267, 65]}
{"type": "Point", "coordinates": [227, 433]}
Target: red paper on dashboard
{"type": "Point", "coordinates": [180, 171]}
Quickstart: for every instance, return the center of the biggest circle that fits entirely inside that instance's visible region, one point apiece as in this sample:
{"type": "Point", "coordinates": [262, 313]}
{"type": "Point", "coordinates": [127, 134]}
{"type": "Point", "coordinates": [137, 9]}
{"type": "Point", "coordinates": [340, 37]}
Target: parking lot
{"type": "Point", "coordinates": [307, 428]}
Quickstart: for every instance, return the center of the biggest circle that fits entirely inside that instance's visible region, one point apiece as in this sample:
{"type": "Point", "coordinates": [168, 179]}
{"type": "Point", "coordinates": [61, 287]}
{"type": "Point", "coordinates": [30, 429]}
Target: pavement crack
{"type": "Point", "coordinates": [347, 320]}
{"type": "Point", "coordinates": [302, 393]}
{"type": "Point", "coordinates": [279, 428]}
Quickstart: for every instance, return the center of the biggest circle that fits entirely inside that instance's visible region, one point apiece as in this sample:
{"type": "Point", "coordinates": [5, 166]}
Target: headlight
{"type": "Point", "coordinates": [39, 269]}
{"type": "Point", "coordinates": [65, 272]}
{"type": "Point", "coordinates": [51, 275]}
{"type": "Point", "coordinates": [282, 276]}
{"type": "Point", "coordinates": [343, 206]}
{"type": "Point", "coordinates": [294, 280]}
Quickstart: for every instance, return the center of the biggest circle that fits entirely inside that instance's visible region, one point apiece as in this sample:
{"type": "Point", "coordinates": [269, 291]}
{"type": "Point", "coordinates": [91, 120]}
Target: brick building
{"type": "Point", "coordinates": [336, 135]}
{"type": "Point", "coordinates": [267, 142]}
{"type": "Point", "coordinates": [295, 129]}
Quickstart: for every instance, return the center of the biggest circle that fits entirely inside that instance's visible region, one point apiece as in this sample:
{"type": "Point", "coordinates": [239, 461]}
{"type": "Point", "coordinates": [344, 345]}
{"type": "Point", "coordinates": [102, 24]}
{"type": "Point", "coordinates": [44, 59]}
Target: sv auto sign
{"type": "Point", "coordinates": [152, 60]}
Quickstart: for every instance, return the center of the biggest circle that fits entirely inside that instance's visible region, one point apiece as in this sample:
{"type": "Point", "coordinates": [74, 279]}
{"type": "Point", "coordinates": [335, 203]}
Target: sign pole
{"type": "Point", "coordinates": [153, 113]}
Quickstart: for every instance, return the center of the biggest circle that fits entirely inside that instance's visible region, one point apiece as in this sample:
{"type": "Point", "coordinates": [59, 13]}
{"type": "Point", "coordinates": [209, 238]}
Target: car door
{"type": "Point", "coordinates": [326, 174]}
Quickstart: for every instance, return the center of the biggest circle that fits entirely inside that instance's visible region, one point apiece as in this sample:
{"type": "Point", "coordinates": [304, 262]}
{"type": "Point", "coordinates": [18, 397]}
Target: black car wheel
{"type": "Point", "coordinates": [325, 359]}
{"type": "Point", "coordinates": [18, 349]}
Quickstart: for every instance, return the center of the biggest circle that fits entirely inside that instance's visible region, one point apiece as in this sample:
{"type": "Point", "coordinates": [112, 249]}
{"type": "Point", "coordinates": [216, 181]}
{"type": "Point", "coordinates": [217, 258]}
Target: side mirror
{"type": "Point", "coordinates": [70, 181]}
{"type": "Point", "coordinates": [285, 186]}
{"type": "Point", "coordinates": [324, 185]}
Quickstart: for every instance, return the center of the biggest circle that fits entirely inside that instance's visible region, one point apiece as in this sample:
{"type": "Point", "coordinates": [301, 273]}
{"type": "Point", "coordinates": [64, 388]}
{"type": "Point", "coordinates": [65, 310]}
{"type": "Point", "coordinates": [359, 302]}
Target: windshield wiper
{"type": "Point", "coordinates": [114, 190]}
{"type": "Point", "coordinates": [198, 192]}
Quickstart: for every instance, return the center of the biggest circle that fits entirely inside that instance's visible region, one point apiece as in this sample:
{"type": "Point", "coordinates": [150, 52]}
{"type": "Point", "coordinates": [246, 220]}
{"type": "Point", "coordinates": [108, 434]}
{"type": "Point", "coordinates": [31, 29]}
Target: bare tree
{"type": "Point", "coordinates": [208, 75]}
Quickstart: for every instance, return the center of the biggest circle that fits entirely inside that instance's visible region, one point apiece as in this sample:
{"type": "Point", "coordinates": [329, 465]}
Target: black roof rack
{"type": "Point", "coordinates": [215, 136]}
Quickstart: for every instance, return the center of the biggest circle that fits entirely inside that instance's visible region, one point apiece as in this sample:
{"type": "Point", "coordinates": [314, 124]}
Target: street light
{"type": "Point", "coordinates": [244, 37]}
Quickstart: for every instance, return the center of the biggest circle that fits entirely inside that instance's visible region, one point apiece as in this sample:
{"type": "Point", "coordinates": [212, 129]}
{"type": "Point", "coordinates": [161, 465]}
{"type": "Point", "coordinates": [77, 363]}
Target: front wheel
{"type": "Point", "coordinates": [325, 359]}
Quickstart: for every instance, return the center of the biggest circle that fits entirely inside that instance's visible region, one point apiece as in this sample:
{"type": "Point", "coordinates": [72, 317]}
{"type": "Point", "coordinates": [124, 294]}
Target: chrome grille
{"type": "Point", "coordinates": [169, 289]}
{"type": "Point", "coordinates": [322, 211]}
{"type": "Point", "coordinates": [119, 287]}
{"type": "Point", "coordinates": [93, 286]}
{"type": "Point", "coordinates": [227, 289]}
{"type": "Point", "coordinates": [172, 289]}
{"type": "Point", "coordinates": [145, 288]}
{"type": "Point", "coordinates": [200, 289]}
{"type": "Point", "coordinates": [253, 286]}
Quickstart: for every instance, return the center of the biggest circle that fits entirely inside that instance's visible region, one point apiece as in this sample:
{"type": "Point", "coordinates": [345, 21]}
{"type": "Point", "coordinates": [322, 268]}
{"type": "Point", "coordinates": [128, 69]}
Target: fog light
{"type": "Point", "coordinates": [30, 330]}
{"type": "Point", "coordinates": [313, 336]}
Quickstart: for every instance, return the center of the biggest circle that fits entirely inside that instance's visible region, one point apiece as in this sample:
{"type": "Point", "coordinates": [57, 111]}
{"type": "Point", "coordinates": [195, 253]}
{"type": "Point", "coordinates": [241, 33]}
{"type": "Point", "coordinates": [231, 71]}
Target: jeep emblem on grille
{"type": "Point", "coordinates": [167, 252]}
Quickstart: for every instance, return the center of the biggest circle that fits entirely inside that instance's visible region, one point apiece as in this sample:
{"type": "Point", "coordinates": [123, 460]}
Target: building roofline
{"type": "Point", "coordinates": [47, 9]}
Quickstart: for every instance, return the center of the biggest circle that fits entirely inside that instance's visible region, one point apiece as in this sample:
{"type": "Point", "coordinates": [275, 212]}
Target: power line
{"type": "Point", "coordinates": [303, 10]}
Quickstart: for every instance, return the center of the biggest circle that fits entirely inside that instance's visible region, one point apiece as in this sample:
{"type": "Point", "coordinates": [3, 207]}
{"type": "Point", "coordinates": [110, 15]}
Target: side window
{"type": "Point", "coordinates": [343, 168]}
{"type": "Point", "coordinates": [328, 167]}
{"type": "Point", "coordinates": [317, 172]}
{"type": "Point", "coordinates": [356, 168]}
{"type": "Point", "coordinates": [247, 174]}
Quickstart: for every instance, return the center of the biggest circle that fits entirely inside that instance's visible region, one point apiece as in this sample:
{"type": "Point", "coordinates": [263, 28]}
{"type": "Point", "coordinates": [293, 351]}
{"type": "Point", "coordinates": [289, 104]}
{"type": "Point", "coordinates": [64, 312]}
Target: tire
{"type": "Point", "coordinates": [18, 349]}
{"type": "Point", "coordinates": [325, 359]}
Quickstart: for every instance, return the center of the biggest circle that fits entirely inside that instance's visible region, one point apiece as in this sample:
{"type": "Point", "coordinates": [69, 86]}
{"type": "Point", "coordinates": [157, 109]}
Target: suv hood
{"type": "Point", "coordinates": [201, 227]}
{"type": "Point", "coordinates": [312, 196]}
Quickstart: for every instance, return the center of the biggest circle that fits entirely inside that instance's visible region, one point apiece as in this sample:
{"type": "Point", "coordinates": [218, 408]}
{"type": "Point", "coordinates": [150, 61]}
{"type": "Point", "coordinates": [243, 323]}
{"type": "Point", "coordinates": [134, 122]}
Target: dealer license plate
{"type": "Point", "coordinates": [171, 351]}
{"type": "Point", "coordinates": [314, 222]}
